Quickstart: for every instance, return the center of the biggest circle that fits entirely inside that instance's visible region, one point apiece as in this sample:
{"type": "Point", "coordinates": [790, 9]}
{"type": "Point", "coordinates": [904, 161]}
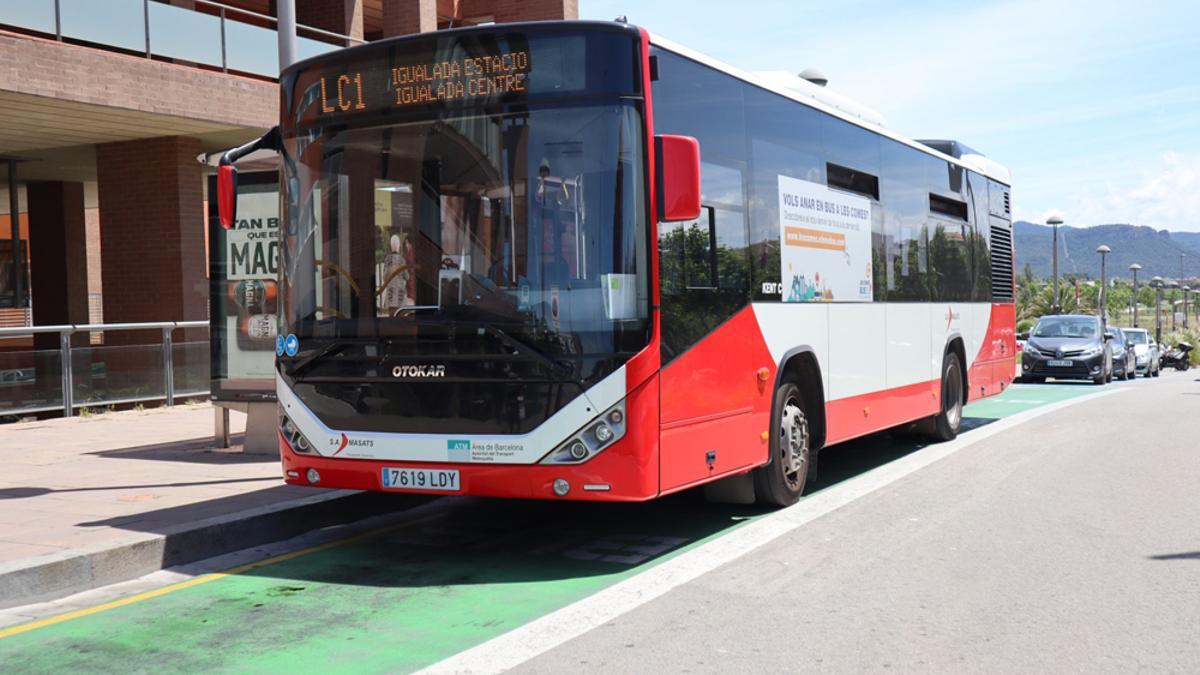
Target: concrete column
{"type": "Point", "coordinates": [153, 264]}
{"type": "Point", "coordinates": [344, 17]}
{"type": "Point", "coordinates": [405, 17]}
{"type": "Point", "coordinates": [58, 264]}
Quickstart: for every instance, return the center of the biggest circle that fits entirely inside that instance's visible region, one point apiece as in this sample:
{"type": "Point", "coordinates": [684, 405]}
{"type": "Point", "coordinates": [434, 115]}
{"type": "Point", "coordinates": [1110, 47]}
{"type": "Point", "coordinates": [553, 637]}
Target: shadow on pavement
{"type": "Point", "coordinates": [1191, 555]}
{"type": "Point", "coordinates": [489, 541]}
{"type": "Point", "coordinates": [26, 492]}
{"type": "Point", "coordinates": [195, 450]}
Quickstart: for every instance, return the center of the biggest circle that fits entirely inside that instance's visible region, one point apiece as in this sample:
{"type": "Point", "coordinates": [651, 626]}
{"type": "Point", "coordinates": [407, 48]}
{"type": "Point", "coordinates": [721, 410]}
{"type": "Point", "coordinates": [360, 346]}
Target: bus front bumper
{"type": "Point", "coordinates": [620, 473]}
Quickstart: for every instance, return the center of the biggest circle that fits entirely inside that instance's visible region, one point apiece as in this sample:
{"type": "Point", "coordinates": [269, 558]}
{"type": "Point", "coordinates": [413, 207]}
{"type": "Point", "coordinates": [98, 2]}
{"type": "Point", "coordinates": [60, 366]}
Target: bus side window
{"type": "Point", "coordinates": [688, 252]}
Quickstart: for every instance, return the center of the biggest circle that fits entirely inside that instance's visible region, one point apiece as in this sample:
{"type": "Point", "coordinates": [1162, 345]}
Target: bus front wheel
{"type": "Point", "coordinates": [781, 481]}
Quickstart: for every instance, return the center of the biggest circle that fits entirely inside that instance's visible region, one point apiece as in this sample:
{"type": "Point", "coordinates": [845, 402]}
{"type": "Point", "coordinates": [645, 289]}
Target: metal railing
{"type": "Point", "coordinates": [66, 353]}
{"type": "Point", "coordinates": [222, 36]}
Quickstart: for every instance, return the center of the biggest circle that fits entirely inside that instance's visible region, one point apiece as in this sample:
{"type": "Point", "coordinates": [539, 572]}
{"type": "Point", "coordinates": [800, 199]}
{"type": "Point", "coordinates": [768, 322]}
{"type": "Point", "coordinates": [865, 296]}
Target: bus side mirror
{"type": "Point", "coordinates": [227, 195]}
{"type": "Point", "coordinates": [678, 177]}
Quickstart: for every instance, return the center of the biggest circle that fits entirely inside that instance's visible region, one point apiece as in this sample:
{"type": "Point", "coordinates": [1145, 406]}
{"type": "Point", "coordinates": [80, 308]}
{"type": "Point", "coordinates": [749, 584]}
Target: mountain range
{"type": "Point", "coordinates": [1157, 251]}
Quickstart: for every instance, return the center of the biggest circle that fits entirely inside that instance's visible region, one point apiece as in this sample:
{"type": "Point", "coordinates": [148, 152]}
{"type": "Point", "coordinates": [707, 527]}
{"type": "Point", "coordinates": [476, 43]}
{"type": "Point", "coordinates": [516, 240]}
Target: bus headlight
{"type": "Point", "coordinates": [604, 430]}
{"type": "Point", "coordinates": [295, 439]}
{"type": "Point", "coordinates": [603, 433]}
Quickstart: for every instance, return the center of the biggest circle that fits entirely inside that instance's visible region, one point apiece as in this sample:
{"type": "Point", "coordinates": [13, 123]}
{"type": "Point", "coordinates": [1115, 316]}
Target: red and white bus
{"type": "Point", "coordinates": [572, 260]}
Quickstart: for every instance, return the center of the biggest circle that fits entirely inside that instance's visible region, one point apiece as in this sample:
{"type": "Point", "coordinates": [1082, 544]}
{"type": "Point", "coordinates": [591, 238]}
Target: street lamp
{"type": "Point", "coordinates": [1134, 268]}
{"type": "Point", "coordinates": [1157, 284]}
{"type": "Point", "coordinates": [1103, 250]}
{"type": "Point", "coordinates": [1186, 290]}
{"type": "Point", "coordinates": [1173, 285]}
{"type": "Point", "coordinates": [1054, 221]}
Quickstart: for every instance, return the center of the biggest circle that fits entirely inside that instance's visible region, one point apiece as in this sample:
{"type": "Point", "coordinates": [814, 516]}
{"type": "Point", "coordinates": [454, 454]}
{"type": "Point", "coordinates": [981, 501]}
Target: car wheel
{"type": "Point", "coordinates": [1156, 371]}
{"type": "Point", "coordinates": [781, 481]}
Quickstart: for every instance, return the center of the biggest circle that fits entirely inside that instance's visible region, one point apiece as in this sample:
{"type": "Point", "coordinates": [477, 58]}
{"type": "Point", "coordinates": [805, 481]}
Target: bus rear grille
{"type": "Point", "coordinates": [1002, 264]}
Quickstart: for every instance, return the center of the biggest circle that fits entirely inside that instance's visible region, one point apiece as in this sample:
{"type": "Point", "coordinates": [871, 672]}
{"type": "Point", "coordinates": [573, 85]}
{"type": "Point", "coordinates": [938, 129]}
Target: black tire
{"type": "Point", "coordinates": [1099, 379]}
{"type": "Point", "coordinates": [944, 426]}
{"type": "Point", "coordinates": [1157, 371]}
{"type": "Point", "coordinates": [781, 482]}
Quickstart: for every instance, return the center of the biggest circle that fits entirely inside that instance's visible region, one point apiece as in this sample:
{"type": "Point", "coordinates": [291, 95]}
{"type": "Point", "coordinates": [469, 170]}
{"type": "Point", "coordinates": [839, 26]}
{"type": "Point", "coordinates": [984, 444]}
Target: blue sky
{"type": "Point", "coordinates": [1093, 104]}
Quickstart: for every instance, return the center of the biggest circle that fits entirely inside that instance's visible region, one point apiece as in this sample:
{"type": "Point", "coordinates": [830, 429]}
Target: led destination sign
{"type": "Point", "coordinates": [463, 71]}
{"type": "Point", "coordinates": [471, 77]}
{"type": "Point", "coordinates": [439, 81]}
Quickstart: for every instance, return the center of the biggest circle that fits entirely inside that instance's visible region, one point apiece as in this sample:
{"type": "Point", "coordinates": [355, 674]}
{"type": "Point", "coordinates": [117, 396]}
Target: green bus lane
{"type": "Point", "coordinates": [404, 598]}
{"type": "Point", "coordinates": [394, 601]}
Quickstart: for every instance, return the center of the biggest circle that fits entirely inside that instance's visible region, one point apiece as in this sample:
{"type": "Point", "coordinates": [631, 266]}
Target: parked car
{"type": "Point", "coordinates": [1123, 359]}
{"type": "Point", "coordinates": [1067, 346]}
{"type": "Point", "coordinates": [1145, 351]}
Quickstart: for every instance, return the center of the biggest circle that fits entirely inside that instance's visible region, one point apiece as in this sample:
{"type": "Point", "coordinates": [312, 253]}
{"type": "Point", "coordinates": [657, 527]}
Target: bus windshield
{"type": "Point", "coordinates": [466, 241]}
{"type": "Point", "coordinates": [533, 221]}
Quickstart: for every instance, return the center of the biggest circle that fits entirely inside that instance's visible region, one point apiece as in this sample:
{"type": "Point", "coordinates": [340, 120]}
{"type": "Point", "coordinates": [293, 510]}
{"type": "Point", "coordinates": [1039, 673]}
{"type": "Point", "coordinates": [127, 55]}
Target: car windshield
{"type": "Point", "coordinates": [1137, 337]}
{"type": "Point", "coordinates": [1066, 327]}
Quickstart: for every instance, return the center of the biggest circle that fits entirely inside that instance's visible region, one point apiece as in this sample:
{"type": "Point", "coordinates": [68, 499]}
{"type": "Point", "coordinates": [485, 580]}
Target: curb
{"type": "Point", "coordinates": [56, 575]}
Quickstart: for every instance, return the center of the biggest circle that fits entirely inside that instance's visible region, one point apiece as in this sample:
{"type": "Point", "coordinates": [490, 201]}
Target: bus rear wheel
{"type": "Point", "coordinates": [944, 426]}
{"type": "Point", "coordinates": [781, 481]}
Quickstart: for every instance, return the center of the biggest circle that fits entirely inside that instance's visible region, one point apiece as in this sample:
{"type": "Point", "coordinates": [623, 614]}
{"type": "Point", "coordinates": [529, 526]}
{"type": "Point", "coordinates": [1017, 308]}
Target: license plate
{"type": "Point", "coordinates": [1060, 363]}
{"type": "Point", "coordinates": [445, 480]}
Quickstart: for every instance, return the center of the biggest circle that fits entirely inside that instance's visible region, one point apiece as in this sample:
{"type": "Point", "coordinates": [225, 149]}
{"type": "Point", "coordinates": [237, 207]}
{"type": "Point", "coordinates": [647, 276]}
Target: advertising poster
{"type": "Point", "coordinates": [251, 287]}
{"type": "Point", "coordinates": [244, 309]}
{"type": "Point", "coordinates": [825, 243]}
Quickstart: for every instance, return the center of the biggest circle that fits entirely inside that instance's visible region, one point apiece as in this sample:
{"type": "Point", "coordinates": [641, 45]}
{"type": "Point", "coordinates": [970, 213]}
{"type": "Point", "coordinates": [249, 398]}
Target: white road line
{"type": "Point", "coordinates": [543, 634]}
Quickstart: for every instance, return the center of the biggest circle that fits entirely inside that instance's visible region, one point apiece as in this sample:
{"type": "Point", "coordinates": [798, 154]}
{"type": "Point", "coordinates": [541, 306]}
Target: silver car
{"type": "Point", "coordinates": [1145, 351]}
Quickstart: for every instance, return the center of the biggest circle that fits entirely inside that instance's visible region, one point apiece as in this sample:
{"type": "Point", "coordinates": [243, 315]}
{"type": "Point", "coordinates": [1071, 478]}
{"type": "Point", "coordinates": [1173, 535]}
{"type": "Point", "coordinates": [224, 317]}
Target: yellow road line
{"type": "Point", "coordinates": [203, 579]}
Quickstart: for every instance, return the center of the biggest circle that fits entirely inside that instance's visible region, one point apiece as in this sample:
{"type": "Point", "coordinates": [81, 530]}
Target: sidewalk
{"type": "Point", "coordinates": [86, 502]}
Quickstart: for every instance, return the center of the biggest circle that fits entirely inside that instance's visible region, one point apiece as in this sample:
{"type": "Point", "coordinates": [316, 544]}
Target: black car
{"type": "Point", "coordinates": [1067, 346]}
{"type": "Point", "coordinates": [1124, 360]}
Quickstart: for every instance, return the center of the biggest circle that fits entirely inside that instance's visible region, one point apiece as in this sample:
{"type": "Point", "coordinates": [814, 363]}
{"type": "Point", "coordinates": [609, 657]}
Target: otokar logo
{"type": "Point", "coordinates": [419, 371]}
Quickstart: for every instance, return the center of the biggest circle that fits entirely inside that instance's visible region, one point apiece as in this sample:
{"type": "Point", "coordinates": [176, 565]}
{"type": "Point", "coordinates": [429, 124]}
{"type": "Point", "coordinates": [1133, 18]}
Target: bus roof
{"type": "Point", "coordinates": [841, 107]}
{"type": "Point", "coordinates": [796, 89]}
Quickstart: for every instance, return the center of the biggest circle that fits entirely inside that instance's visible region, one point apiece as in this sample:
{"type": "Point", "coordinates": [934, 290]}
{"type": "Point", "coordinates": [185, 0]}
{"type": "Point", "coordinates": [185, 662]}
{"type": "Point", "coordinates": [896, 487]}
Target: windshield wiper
{"type": "Point", "coordinates": [528, 350]}
{"type": "Point", "coordinates": [304, 363]}
{"type": "Point", "coordinates": [558, 368]}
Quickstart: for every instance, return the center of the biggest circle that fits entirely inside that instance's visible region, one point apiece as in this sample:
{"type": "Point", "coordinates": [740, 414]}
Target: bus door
{"type": "Point", "coordinates": [708, 390]}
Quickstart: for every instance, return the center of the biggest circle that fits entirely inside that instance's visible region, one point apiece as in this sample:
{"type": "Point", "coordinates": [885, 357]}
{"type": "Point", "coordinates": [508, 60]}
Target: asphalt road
{"type": "Point", "coordinates": [1067, 542]}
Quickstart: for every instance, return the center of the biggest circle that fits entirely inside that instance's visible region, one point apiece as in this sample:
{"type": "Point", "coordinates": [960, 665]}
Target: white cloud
{"type": "Point", "coordinates": [1165, 196]}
